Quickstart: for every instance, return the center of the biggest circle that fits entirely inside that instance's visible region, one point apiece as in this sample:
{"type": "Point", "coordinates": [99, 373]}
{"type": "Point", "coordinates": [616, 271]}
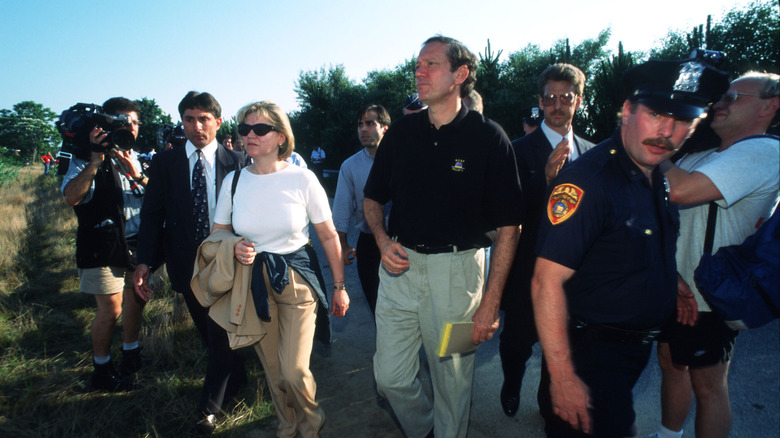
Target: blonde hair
{"type": "Point", "coordinates": [278, 119]}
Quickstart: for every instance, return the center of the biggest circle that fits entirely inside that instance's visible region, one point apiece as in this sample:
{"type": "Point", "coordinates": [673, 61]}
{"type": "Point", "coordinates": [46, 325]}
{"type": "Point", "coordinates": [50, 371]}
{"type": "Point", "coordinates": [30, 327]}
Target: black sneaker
{"type": "Point", "coordinates": [132, 362]}
{"type": "Point", "coordinates": [105, 378]}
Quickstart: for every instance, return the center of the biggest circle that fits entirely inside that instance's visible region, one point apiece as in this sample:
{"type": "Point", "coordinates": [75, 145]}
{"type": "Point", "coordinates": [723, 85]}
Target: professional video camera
{"type": "Point", "coordinates": [77, 122]}
{"type": "Point", "coordinates": [170, 134]}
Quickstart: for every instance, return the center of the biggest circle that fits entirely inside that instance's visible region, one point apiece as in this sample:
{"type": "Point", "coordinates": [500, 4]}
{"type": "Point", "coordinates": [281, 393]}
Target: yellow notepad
{"type": "Point", "coordinates": [457, 339]}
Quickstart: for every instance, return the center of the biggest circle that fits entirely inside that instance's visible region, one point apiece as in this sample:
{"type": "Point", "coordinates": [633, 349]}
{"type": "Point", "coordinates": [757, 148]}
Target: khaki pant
{"type": "Point", "coordinates": [285, 352]}
{"type": "Point", "coordinates": [411, 311]}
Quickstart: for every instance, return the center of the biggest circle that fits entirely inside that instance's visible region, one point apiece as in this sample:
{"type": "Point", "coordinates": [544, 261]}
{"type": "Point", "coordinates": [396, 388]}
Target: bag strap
{"type": "Point", "coordinates": [709, 235]}
{"type": "Point", "coordinates": [233, 186]}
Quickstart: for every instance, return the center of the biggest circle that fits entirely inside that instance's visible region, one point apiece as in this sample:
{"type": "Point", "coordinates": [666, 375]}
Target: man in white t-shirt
{"type": "Point", "coordinates": [741, 178]}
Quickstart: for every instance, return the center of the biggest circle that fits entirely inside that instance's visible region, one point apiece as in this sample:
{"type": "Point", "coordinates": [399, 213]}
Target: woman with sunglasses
{"type": "Point", "coordinates": [272, 206]}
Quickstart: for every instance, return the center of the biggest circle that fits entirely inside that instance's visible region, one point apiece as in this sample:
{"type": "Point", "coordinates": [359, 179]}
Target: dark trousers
{"type": "Point", "coordinates": [368, 261]}
{"type": "Point", "coordinates": [225, 372]}
{"type": "Point", "coordinates": [199, 315]}
{"type": "Point", "coordinates": [517, 337]}
{"type": "Point", "coordinates": [610, 370]}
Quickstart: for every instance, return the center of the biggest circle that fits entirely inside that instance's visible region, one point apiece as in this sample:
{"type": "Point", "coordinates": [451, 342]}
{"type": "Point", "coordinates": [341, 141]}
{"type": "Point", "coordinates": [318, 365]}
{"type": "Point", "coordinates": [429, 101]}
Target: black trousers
{"type": "Point", "coordinates": [368, 261]}
{"type": "Point", "coordinates": [517, 337]}
{"type": "Point", "coordinates": [610, 370]}
{"type": "Point", "coordinates": [225, 371]}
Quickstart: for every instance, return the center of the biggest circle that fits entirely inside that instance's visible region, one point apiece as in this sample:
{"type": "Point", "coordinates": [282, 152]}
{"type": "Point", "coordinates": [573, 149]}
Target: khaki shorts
{"type": "Point", "coordinates": [104, 281]}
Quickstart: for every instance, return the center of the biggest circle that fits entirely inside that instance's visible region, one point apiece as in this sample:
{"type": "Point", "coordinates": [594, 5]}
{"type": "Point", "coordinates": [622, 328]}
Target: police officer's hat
{"type": "Point", "coordinates": [413, 102]}
{"type": "Point", "coordinates": [679, 88]}
{"type": "Point", "coordinates": [532, 115]}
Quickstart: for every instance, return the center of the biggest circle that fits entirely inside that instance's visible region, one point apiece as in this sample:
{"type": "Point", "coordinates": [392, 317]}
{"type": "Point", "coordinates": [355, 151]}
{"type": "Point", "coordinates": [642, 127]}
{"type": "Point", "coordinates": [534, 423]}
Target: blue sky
{"type": "Point", "coordinates": [59, 53]}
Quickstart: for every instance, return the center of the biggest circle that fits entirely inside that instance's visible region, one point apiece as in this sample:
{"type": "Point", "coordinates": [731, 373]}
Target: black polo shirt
{"type": "Point", "coordinates": [447, 186]}
{"type": "Point", "coordinates": [605, 221]}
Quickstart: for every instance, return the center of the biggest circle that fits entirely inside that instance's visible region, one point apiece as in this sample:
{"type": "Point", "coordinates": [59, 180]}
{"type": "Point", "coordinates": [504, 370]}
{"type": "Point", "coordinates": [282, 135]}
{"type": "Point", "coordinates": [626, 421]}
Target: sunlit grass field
{"type": "Point", "coordinates": [45, 349]}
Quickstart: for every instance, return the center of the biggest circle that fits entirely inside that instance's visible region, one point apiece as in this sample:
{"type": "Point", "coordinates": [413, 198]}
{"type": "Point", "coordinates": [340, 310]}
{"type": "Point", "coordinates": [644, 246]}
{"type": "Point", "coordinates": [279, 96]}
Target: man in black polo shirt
{"type": "Point", "coordinates": [451, 177]}
{"type": "Point", "coordinates": [606, 277]}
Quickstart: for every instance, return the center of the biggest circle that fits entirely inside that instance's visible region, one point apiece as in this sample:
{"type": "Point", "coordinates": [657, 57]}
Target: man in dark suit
{"type": "Point", "coordinates": [170, 232]}
{"type": "Point", "coordinates": [540, 155]}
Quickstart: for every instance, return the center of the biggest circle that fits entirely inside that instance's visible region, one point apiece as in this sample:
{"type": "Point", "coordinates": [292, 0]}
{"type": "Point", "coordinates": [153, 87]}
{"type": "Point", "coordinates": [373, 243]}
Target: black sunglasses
{"type": "Point", "coordinates": [260, 129]}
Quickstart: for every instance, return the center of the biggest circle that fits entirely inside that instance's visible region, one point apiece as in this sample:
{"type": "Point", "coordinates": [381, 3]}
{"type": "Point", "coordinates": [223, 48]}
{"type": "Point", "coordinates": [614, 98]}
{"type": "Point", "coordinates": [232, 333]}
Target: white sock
{"type": "Point", "coordinates": [130, 345]}
{"type": "Point", "coordinates": [102, 360]}
{"type": "Point", "coordinates": [666, 433]}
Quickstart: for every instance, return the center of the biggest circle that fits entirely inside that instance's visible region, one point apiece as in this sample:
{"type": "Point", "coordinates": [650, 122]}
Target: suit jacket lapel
{"type": "Point", "coordinates": [180, 176]}
{"type": "Point", "coordinates": [577, 145]}
{"type": "Point", "coordinates": [542, 148]}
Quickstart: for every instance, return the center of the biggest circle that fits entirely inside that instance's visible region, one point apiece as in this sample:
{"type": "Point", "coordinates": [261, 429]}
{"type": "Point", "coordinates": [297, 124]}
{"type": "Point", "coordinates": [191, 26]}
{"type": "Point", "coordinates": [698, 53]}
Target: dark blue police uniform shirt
{"type": "Point", "coordinates": [618, 233]}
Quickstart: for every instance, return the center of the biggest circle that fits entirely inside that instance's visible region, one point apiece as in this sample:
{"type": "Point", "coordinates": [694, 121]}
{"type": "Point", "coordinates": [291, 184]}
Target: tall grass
{"type": "Point", "coordinates": [45, 349]}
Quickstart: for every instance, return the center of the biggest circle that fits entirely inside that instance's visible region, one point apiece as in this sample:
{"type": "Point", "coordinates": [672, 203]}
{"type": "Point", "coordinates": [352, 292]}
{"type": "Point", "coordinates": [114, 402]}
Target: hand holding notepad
{"type": "Point", "coordinates": [457, 339]}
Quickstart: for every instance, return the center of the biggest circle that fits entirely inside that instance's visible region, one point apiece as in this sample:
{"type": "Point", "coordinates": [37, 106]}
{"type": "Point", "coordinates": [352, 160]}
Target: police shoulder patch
{"type": "Point", "coordinates": [563, 202]}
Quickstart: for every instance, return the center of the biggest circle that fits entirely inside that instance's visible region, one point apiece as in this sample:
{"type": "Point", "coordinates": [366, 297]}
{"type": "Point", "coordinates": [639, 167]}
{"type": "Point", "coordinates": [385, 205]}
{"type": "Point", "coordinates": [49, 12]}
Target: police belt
{"type": "Point", "coordinates": [610, 333]}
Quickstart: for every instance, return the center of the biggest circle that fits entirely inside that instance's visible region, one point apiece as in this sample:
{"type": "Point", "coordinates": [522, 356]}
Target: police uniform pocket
{"type": "Point", "coordinates": [641, 249]}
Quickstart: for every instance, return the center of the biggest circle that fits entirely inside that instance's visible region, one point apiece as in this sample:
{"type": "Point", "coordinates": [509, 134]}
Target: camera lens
{"type": "Point", "coordinates": [122, 138]}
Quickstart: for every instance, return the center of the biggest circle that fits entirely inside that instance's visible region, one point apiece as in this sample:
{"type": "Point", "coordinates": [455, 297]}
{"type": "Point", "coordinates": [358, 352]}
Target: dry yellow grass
{"type": "Point", "coordinates": [45, 354]}
{"type": "Point", "coordinates": [13, 226]}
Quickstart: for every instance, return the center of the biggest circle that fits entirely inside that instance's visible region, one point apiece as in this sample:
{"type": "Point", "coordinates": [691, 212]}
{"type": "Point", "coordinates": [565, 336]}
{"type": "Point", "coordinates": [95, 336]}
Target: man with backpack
{"type": "Point", "coordinates": [741, 178]}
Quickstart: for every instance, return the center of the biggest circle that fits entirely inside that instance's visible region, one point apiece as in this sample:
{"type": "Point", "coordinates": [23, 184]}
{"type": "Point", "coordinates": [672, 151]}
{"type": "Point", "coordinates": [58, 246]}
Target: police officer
{"type": "Point", "coordinates": [605, 276]}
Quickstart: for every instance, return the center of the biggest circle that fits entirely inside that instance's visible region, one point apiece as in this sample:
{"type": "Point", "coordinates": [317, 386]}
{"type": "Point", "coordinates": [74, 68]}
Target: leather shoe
{"type": "Point", "coordinates": [105, 378]}
{"type": "Point", "coordinates": [510, 399]}
{"type": "Point", "coordinates": [205, 426]}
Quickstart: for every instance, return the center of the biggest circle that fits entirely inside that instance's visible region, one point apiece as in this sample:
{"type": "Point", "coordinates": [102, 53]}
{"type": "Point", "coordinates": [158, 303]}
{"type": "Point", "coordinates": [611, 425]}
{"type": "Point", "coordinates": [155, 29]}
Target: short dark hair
{"type": "Point", "coordinates": [203, 101]}
{"type": "Point", "coordinates": [563, 72]}
{"type": "Point", "coordinates": [117, 105]}
{"type": "Point", "coordinates": [383, 117]}
{"type": "Point", "coordinates": [458, 55]}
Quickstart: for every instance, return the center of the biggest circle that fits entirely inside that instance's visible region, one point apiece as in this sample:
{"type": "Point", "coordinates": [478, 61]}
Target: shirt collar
{"type": "Point", "coordinates": [553, 137]}
{"type": "Point", "coordinates": [208, 151]}
{"type": "Point", "coordinates": [454, 123]}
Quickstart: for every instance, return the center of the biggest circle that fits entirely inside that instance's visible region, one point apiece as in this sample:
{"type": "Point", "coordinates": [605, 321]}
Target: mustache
{"type": "Point", "coordinates": [662, 142]}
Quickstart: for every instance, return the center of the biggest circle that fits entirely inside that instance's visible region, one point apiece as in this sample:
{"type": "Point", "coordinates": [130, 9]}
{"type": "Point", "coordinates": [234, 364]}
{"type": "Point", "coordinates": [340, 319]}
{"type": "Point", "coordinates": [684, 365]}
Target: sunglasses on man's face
{"type": "Point", "coordinates": [731, 96]}
{"type": "Point", "coordinates": [565, 99]}
{"type": "Point", "coordinates": [260, 129]}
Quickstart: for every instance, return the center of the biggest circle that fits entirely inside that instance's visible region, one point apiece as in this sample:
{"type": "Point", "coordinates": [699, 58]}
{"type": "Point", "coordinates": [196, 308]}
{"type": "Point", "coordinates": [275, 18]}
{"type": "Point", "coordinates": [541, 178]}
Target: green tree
{"type": "Point", "coordinates": [517, 86]}
{"type": "Point", "coordinates": [389, 88]}
{"type": "Point", "coordinates": [328, 101]}
{"type": "Point", "coordinates": [607, 93]}
{"type": "Point", "coordinates": [489, 76]}
{"type": "Point", "coordinates": [152, 118]}
{"type": "Point", "coordinates": [229, 127]}
{"type": "Point", "coordinates": [749, 37]}
{"type": "Point", "coordinates": [29, 128]}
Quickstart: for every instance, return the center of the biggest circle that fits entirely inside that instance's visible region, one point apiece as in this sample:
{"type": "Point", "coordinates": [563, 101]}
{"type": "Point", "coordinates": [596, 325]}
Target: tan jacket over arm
{"type": "Point", "coordinates": [222, 284]}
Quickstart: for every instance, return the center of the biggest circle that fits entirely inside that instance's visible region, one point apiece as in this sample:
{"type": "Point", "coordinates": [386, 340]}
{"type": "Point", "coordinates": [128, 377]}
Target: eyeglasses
{"type": "Point", "coordinates": [260, 129]}
{"type": "Point", "coordinates": [367, 123]}
{"type": "Point", "coordinates": [731, 96]}
{"type": "Point", "coordinates": [566, 99]}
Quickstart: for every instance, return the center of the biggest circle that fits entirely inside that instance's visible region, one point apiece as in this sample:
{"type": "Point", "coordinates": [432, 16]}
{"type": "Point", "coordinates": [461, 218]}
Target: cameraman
{"type": "Point", "coordinates": [106, 198]}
